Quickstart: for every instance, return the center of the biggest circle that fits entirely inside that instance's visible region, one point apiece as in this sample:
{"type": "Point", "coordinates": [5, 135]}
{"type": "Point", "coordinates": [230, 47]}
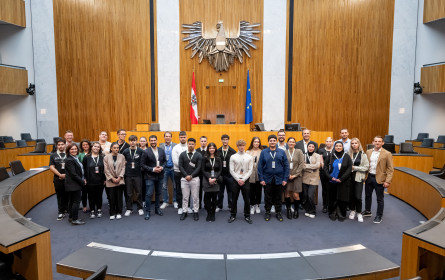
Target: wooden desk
{"type": "Point", "coordinates": [10, 154]}
{"type": "Point", "coordinates": [422, 163]}
{"type": "Point", "coordinates": [419, 143]}
{"type": "Point", "coordinates": [437, 154]}
{"type": "Point", "coordinates": [34, 160]}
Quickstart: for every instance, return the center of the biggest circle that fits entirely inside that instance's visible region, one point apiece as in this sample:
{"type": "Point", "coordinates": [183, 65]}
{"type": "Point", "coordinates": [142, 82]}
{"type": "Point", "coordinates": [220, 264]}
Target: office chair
{"type": "Point", "coordinates": [3, 174]}
{"type": "Point", "coordinates": [441, 139]}
{"type": "Point", "coordinates": [220, 119]}
{"type": "Point", "coordinates": [369, 146]}
{"type": "Point", "coordinates": [26, 136]}
{"type": "Point", "coordinates": [421, 136]}
{"type": "Point", "coordinates": [40, 148]}
{"type": "Point", "coordinates": [406, 148]}
{"type": "Point", "coordinates": [155, 127]}
{"type": "Point", "coordinates": [259, 127]}
{"type": "Point", "coordinates": [390, 147]}
{"type": "Point", "coordinates": [388, 139]}
{"type": "Point", "coordinates": [427, 142]}
{"type": "Point", "coordinates": [8, 139]}
{"type": "Point", "coordinates": [439, 173]}
{"type": "Point", "coordinates": [21, 143]}
{"type": "Point", "coordinates": [40, 140]}
{"type": "Point", "coordinates": [100, 274]}
{"type": "Point", "coordinates": [16, 167]}
{"type": "Point", "coordinates": [2, 145]}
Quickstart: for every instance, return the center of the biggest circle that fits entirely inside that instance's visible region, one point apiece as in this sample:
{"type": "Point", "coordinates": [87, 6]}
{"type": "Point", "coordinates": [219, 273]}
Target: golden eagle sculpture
{"type": "Point", "coordinates": [221, 51]}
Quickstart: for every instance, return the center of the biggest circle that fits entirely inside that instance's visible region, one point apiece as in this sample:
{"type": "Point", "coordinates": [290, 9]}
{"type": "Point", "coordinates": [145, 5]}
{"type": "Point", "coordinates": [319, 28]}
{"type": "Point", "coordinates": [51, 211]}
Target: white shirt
{"type": "Point", "coordinates": [177, 150]}
{"type": "Point", "coordinates": [373, 162]}
{"type": "Point", "coordinates": [282, 147]}
{"type": "Point", "coordinates": [238, 162]}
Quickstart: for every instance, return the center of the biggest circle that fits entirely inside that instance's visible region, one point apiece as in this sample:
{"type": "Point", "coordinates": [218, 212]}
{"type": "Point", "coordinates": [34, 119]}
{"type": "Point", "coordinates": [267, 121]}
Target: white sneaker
{"type": "Point", "coordinates": [112, 217]}
{"type": "Point", "coordinates": [163, 205]}
{"type": "Point", "coordinates": [307, 214]}
{"type": "Point", "coordinates": [252, 210]}
{"type": "Point", "coordinates": [292, 209]}
{"type": "Point", "coordinates": [99, 213]}
{"type": "Point", "coordinates": [218, 209]}
{"type": "Point", "coordinates": [190, 211]}
{"type": "Point", "coordinates": [257, 209]}
{"type": "Point", "coordinates": [272, 210]}
{"type": "Point", "coordinates": [175, 204]}
{"type": "Point", "coordinates": [360, 218]}
{"type": "Point", "coordinates": [312, 216]}
{"type": "Point", "coordinates": [140, 212]}
{"type": "Point", "coordinates": [352, 215]}
{"type": "Point", "coordinates": [118, 216]}
{"type": "Point", "coordinates": [180, 211]}
{"type": "Point", "coordinates": [128, 213]}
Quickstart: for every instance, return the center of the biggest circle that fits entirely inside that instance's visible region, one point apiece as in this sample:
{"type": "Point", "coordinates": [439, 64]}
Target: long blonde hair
{"type": "Point", "coordinates": [360, 148]}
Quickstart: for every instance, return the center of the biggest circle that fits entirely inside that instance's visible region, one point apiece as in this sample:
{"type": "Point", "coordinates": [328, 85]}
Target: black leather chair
{"type": "Point", "coordinates": [427, 143]}
{"type": "Point", "coordinates": [26, 136]}
{"type": "Point", "coordinates": [40, 148]}
{"type": "Point", "coordinates": [21, 143]}
{"type": "Point", "coordinates": [155, 127]}
{"type": "Point", "coordinates": [100, 274]}
{"type": "Point", "coordinates": [40, 140]}
{"type": "Point", "coordinates": [8, 139]}
{"type": "Point", "coordinates": [369, 146]}
{"type": "Point", "coordinates": [441, 139]}
{"type": "Point", "coordinates": [259, 127]}
{"type": "Point", "coordinates": [390, 147]}
{"type": "Point", "coordinates": [2, 145]}
{"type": "Point", "coordinates": [16, 167]}
{"type": "Point", "coordinates": [388, 139]}
{"type": "Point", "coordinates": [206, 122]}
{"type": "Point", "coordinates": [220, 119]}
{"type": "Point", "coordinates": [439, 173]}
{"type": "Point", "coordinates": [3, 174]}
{"type": "Point", "coordinates": [406, 148]}
{"type": "Point", "coordinates": [421, 136]}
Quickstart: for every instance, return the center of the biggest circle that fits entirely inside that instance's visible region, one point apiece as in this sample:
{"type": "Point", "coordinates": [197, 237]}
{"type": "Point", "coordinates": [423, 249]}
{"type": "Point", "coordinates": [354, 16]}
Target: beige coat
{"type": "Point", "coordinates": [311, 171]}
{"type": "Point", "coordinates": [360, 171]}
{"type": "Point", "coordinates": [114, 172]}
{"type": "Point", "coordinates": [384, 169]}
{"type": "Point", "coordinates": [254, 176]}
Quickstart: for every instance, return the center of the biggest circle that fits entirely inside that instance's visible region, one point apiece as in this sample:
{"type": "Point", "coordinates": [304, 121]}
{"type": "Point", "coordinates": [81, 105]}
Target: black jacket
{"type": "Point", "coordinates": [226, 170]}
{"type": "Point", "coordinates": [136, 156]}
{"type": "Point", "coordinates": [206, 168]}
{"type": "Point", "coordinates": [300, 145]}
{"type": "Point", "coordinates": [184, 164]}
{"type": "Point", "coordinates": [148, 162]}
{"type": "Point", "coordinates": [73, 179]}
{"type": "Point", "coordinates": [89, 167]}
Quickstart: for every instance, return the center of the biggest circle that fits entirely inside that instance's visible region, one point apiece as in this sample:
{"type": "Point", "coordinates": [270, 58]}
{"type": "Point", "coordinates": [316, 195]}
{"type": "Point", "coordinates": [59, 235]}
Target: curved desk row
{"type": "Point", "coordinates": [419, 162]}
{"type": "Point", "coordinates": [423, 247]}
{"type": "Point", "coordinates": [29, 242]}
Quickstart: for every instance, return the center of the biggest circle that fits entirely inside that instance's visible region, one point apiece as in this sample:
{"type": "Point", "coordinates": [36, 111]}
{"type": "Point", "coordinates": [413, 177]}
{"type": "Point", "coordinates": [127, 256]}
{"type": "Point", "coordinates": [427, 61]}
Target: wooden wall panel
{"type": "Point", "coordinates": [13, 12]}
{"type": "Point", "coordinates": [103, 65]}
{"type": "Point", "coordinates": [432, 79]}
{"type": "Point", "coordinates": [342, 53]}
{"type": "Point", "coordinates": [221, 98]}
{"type": "Point", "coordinates": [433, 10]}
{"type": "Point", "coordinates": [13, 81]}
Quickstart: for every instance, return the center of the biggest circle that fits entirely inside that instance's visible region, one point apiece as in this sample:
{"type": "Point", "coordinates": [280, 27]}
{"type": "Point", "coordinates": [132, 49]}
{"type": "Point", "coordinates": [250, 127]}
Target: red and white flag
{"type": "Point", "coordinates": [194, 103]}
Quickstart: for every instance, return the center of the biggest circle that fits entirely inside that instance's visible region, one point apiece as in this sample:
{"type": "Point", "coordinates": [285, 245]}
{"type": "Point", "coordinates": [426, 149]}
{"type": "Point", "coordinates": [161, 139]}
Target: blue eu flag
{"type": "Point", "coordinates": [248, 113]}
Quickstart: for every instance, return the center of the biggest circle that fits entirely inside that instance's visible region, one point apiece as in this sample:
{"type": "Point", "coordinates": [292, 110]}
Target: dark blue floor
{"type": "Point", "coordinates": [168, 233]}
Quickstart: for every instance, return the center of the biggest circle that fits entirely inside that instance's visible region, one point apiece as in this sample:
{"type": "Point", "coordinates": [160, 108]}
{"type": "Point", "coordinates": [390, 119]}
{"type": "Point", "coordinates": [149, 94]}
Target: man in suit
{"type": "Point", "coordinates": [168, 146]}
{"type": "Point", "coordinates": [153, 164]}
{"type": "Point", "coordinates": [202, 150]}
{"type": "Point", "coordinates": [379, 177]}
{"type": "Point", "coordinates": [325, 153]}
{"type": "Point", "coordinates": [302, 144]}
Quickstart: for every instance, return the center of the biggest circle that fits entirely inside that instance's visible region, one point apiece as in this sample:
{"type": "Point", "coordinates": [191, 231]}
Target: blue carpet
{"type": "Point", "coordinates": [168, 233]}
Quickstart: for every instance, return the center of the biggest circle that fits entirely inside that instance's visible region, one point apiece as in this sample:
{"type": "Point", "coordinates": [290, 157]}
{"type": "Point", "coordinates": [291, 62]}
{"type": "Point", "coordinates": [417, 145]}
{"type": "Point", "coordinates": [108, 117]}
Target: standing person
{"type": "Point", "coordinates": [177, 150]}
{"type": "Point", "coordinates": [202, 149]}
{"type": "Point", "coordinates": [74, 180]}
{"type": "Point", "coordinates": [57, 166]}
{"type": "Point", "coordinates": [143, 143]}
{"type": "Point", "coordinates": [153, 164]}
{"type": "Point", "coordinates": [114, 167]}
{"type": "Point", "coordinates": [255, 187]}
{"type": "Point", "coordinates": [133, 175]}
{"type": "Point", "coordinates": [121, 134]}
{"type": "Point", "coordinates": [225, 152]}
{"type": "Point", "coordinates": [168, 146]}
{"type": "Point", "coordinates": [281, 135]}
{"type": "Point", "coordinates": [379, 177]}
{"type": "Point", "coordinates": [311, 179]}
{"type": "Point", "coordinates": [325, 153]}
{"type": "Point", "coordinates": [190, 166]}
{"type": "Point", "coordinates": [294, 187]}
{"type": "Point", "coordinates": [211, 170]}
{"type": "Point", "coordinates": [84, 149]}
{"type": "Point", "coordinates": [302, 144]}
{"type": "Point", "coordinates": [360, 165]}
{"type": "Point", "coordinates": [93, 165]}
{"type": "Point", "coordinates": [338, 168]}
{"type": "Point", "coordinates": [273, 172]}
{"type": "Point", "coordinates": [104, 144]}
{"type": "Point", "coordinates": [344, 138]}
{"type": "Point", "coordinates": [69, 136]}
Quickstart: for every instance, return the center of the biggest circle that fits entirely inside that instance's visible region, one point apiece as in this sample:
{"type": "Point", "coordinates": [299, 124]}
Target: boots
{"type": "Point", "coordinates": [296, 205]}
{"type": "Point", "coordinates": [288, 208]}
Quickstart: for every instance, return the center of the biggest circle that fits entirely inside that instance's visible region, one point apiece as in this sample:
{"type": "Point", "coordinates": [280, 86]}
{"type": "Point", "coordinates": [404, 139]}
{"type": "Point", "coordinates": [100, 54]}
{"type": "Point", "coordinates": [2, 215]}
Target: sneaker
{"type": "Point", "coordinates": [190, 211]}
{"type": "Point", "coordinates": [279, 217]}
{"type": "Point", "coordinates": [360, 218]}
{"type": "Point", "coordinates": [128, 213]}
{"type": "Point", "coordinates": [112, 217]}
{"type": "Point", "coordinates": [77, 222]}
{"type": "Point", "coordinates": [352, 215]}
{"type": "Point", "coordinates": [248, 220]}
{"type": "Point", "coordinates": [92, 216]}
{"type": "Point", "coordinates": [307, 214]}
{"type": "Point", "coordinates": [99, 213]}
{"type": "Point", "coordinates": [312, 216]}
{"type": "Point", "coordinates": [257, 209]}
{"type": "Point", "coordinates": [180, 211]}
{"type": "Point", "coordinates": [218, 209]}
{"type": "Point", "coordinates": [377, 220]}
{"type": "Point", "coordinates": [60, 216]}
{"type": "Point", "coordinates": [118, 216]}
{"type": "Point", "coordinates": [140, 212]}
{"type": "Point", "coordinates": [267, 217]}
{"type": "Point", "coordinates": [175, 204]}
{"type": "Point", "coordinates": [252, 210]}
{"type": "Point", "coordinates": [231, 219]}
{"type": "Point", "coordinates": [272, 210]}
{"type": "Point", "coordinates": [292, 209]}
{"type": "Point", "coordinates": [163, 205]}
{"type": "Point", "coordinates": [366, 213]}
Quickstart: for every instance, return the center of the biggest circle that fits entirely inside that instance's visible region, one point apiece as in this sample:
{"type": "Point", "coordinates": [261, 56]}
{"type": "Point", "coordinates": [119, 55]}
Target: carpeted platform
{"type": "Point", "coordinates": [168, 233]}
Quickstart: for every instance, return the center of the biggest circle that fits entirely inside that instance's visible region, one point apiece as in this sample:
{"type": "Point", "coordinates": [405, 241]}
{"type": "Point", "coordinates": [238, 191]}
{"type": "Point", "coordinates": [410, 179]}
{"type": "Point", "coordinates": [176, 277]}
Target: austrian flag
{"type": "Point", "coordinates": [194, 103]}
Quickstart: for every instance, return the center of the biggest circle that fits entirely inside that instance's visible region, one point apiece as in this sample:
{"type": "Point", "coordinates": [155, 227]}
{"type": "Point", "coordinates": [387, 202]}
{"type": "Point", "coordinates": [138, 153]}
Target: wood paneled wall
{"type": "Point", "coordinates": [432, 79]}
{"type": "Point", "coordinates": [221, 98]}
{"type": "Point", "coordinates": [103, 65]}
{"type": "Point", "coordinates": [13, 81]}
{"type": "Point", "coordinates": [342, 53]}
{"type": "Point", "coordinates": [13, 12]}
{"type": "Point", "coordinates": [433, 10]}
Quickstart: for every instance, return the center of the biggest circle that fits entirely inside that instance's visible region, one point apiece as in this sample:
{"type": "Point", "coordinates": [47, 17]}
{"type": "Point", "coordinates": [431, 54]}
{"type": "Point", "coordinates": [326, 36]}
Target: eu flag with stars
{"type": "Point", "coordinates": [248, 113]}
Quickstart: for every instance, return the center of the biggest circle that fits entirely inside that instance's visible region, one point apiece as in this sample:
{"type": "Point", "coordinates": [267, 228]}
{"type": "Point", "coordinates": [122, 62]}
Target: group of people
{"type": "Point", "coordinates": [286, 171]}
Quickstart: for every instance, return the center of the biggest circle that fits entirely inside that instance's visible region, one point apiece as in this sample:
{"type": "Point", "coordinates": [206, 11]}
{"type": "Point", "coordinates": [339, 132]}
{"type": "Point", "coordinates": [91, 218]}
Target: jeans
{"type": "Point", "coordinates": [309, 192]}
{"type": "Point", "coordinates": [168, 173]}
{"type": "Point", "coordinates": [370, 185]}
{"type": "Point", "coordinates": [245, 190]}
{"type": "Point", "coordinates": [156, 187]}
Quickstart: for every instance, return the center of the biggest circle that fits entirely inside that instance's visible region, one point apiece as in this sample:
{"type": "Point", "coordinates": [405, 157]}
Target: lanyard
{"type": "Point", "coordinates": [96, 162]}
{"type": "Point", "coordinates": [132, 156]}
{"type": "Point", "coordinates": [212, 163]}
{"type": "Point", "coordinates": [354, 158]}
{"type": "Point", "coordinates": [291, 155]}
{"type": "Point", "coordinates": [123, 145]}
{"type": "Point", "coordinates": [224, 154]}
{"type": "Point", "coordinates": [273, 156]}
{"type": "Point", "coordinates": [190, 158]}
{"type": "Point", "coordinates": [339, 158]}
{"type": "Point", "coordinates": [308, 157]}
{"type": "Point", "coordinates": [63, 158]}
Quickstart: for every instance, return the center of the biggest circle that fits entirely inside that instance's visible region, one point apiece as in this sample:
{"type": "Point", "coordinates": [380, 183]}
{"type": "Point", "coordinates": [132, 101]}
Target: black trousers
{"type": "Point", "coordinates": [273, 196]}
{"type": "Point", "coordinates": [62, 196]}
{"type": "Point", "coordinates": [356, 196]}
{"type": "Point", "coordinates": [95, 196]}
{"type": "Point", "coordinates": [370, 186]}
{"type": "Point", "coordinates": [73, 204]}
{"type": "Point", "coordinates": [255, 193]}
{"type": "Point", "coordinates": [332, 198]}
{"type": "Point", "coordinates": [178, 177]}
{"type": "Point", "coordinates": [210, 201]}
{"type": "Point", "coordinates": [324, 189]}
{"type": "Point", "coordinates": [245, 190]}
{"type": "Point", "coordinates": [116, 199]}
{"type": "Point", "coordinates": [227, 184]}
{"type": "Point", "coordinates": [133, 184]}
{"type": "Point", "coordinates": [200, 192]}
{"type": "Point", "coordinates": [84, 196]}
{"type": "Point", "coordinates": [309, 192]}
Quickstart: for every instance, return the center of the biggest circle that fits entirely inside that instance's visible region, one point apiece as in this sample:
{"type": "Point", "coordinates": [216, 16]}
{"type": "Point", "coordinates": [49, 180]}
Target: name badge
{"type": "Point", "coordinates": [62, 165]}
{"type": "Point", "coordinates": [132, 165]}
{"type": "Point", "coordinates": [273, 164]}
{"type": "Point", "coordinates": [224, 163]}
{"type": "Point", "coordinates": [96, 169]}
{"type": "Point", "coordinates": [339, 165]}
{"type": "Point", "coordinates": [241, 171]}
{"type": "Point", "coordinates": [212, 173]}
{"type": "Point", "coordinates": [168, 157]}
{"type": "Point", "coordinates": [291, 165]}
{"type": "Point", "coordinates": [157, 163]}
{"type": "Point", "coordinates": [192, 164]}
